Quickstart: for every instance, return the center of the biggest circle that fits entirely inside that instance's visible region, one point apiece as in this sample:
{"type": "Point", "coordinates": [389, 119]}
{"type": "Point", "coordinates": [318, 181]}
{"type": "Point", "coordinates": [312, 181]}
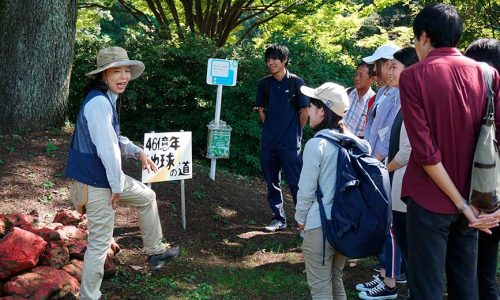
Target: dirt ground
{"type": "Point", "coordinates": [232, 208]}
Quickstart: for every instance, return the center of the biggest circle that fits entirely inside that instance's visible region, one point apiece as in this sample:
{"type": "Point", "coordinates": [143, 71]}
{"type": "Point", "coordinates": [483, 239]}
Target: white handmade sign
{"type": "Point", "coordinates": [172, 154]}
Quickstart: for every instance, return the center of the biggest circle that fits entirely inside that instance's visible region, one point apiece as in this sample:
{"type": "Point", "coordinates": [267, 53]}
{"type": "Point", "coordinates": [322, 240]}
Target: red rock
{"type": "Point", "coordinates": [19, 250]}
{"type": "Point", "coordinates": [70, 234]}
{"type": "Point", "coordinates": [47, 234]}
{"type": "Point", "coordinates": [56, 255]}
{"type": "Point", "coordinates": [74, 268]}
{"type": "Point", "coordinates": [4, 226]}
{"type": "Point", "coordinates": [68, 217]}
{"type": "Point", "coordinates": [54, 226]}
{"type": "Point", "coordinates": [42, 283]}
{"type": "Point", "coordinates": [13, 298]}
{"type": "Point", "coordinates": [18, 219]}
{"type": "Point", "coordinates": [115, 247]}
{"type": "Point", "coordinates": [77, 250]}
{"type": "Point", "coordinates": [109, 265]}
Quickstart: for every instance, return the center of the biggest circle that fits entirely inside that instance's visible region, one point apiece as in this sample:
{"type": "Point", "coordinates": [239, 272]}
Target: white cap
{"type": "Point", "coordinates": [333, 95]}
{"type": "Point", "coordinates": [385, 51]}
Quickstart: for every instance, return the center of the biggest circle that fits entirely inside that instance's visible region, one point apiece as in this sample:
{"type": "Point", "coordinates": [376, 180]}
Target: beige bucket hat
{"type": "Point", "coordinates": [114, 57]}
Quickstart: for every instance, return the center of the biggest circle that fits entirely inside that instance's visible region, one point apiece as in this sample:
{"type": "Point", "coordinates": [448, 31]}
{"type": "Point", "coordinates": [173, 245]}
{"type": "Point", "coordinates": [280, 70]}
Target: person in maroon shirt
{"type": "Point", "coordinates": [443, 101]}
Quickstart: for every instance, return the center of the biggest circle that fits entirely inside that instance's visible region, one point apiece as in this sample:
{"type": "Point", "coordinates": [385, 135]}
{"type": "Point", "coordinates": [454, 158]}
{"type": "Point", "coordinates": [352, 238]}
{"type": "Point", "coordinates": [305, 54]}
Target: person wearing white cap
{"type": "Point", "coordinates": [324, 266]}
{"type": "Point", "coordinates": [386, 106]}
{"type": "Point", "coordinates": [94, 162]}
{"type": "Point", "coordinates": [377, 132]}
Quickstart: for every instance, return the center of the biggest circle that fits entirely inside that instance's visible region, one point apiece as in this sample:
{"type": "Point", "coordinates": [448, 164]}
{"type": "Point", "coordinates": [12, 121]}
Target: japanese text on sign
{"type": "Point", "coordinates": [171, 152]}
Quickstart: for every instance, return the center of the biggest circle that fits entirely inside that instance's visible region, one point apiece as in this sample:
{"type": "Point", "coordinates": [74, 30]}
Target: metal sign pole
{"type": "Point", "coordinates": [183, 202]}
{"type": "Point", "coordinates": [218, 105]}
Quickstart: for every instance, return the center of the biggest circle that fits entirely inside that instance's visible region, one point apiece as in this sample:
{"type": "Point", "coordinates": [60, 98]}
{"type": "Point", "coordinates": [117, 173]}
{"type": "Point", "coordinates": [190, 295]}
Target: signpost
{"type": "Point", "coordinates": [171, 152]}
{"type": "Point", "coordinates": [219, 72]}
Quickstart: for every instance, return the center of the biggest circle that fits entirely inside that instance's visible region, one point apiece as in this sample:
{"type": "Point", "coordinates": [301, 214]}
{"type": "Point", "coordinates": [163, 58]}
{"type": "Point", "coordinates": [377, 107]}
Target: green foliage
{"type": "Point", "coordinates": [50, 147]}
{"type": "Point", "coordinates": [45, 199]}
{"type": "Point", "coordinates": [47, 184]}
{"type": "Point", "coordinates": [326, 40]}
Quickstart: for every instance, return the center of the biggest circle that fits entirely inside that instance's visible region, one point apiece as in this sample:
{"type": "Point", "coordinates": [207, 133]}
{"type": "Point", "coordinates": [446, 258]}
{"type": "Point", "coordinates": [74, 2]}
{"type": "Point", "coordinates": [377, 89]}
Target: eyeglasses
{"type": "Point", "coordinates": [412, 41]}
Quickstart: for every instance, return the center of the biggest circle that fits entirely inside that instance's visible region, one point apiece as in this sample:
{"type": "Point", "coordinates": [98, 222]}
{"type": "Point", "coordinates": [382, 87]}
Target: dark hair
{"type": "Point", "coordinates": [485, 50]}
{"type": "Point", "coordinates": [379, 63]}
{"type": "Point", "coordinates": [369, 66]}
{"type": "Point", "coordinates": [331, 120]}
{"type": "Point", "coordinates": [441, 23]}
{"type": "Point", "coordinates": [407, 56]}
{"type": "Point", "coordinates": [95, 83]}
{"type": "Point", "coordinates": [277, 51]}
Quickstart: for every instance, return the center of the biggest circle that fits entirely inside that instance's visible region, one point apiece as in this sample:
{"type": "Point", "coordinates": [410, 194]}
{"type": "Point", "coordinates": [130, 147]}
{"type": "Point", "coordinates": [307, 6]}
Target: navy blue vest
{"type": "Point", "coordinates": [83, 164]}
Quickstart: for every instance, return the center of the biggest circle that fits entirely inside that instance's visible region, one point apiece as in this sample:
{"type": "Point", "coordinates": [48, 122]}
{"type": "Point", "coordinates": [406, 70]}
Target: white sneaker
{"type": "Point", "coordinates": [362, 287]}
{"type": "Point", "coordinates": [275, 226]}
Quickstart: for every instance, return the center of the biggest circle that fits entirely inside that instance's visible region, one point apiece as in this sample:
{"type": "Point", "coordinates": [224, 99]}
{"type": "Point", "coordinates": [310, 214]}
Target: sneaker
{"type": "Point", "coordinates": [381, 291]}
{"type": "Point", "coordinates": [401, 278]}
{"type": "Point", "coordinates": [377, 268]}
{"type": "Point", "coordinates": [158, 261]}
{"type": "Point", "coordinates": [275, 226]}
{"type": "Point", "coordinates": [377, 279]}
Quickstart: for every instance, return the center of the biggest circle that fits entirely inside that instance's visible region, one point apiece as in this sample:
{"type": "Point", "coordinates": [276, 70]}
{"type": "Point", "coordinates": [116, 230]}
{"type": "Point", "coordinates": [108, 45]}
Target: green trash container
{"type": "Point", "coordinates": [218, 140]}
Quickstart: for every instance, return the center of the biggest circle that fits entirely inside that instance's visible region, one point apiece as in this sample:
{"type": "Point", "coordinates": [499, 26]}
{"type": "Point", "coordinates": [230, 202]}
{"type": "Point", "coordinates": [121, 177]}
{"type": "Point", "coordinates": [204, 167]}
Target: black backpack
{"type": "Point", "coordinates": [361, 208]}
{"type": "Point", "coordinates": [294, 88]}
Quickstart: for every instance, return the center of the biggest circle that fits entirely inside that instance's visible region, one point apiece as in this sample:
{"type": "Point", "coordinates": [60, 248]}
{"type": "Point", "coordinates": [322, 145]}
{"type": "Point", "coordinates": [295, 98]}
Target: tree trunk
{"type": "Point", "coordinates": [36, 51]}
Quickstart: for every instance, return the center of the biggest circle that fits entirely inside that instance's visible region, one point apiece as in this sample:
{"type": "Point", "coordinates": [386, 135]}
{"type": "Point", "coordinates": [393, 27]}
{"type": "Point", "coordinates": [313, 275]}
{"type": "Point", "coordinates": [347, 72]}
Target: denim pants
{"type": "Point", "coordinates": [272, 162]}
{"type": "Point", "coordinates": [487, 264]}
{"type": "Point", "coordinates": [439, 243]}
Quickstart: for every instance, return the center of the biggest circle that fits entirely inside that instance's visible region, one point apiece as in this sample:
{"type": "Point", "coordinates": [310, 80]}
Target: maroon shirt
{"type": "Point", "coordinates": [443, 101]}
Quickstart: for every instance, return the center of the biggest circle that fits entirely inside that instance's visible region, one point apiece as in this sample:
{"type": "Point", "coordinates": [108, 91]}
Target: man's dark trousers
{"type": "Point", "coordinates": [487, 264]}
{"type": "Point", "coordinates": [438, 242]}
{"type": "Point", "coordinates": [272, 162]}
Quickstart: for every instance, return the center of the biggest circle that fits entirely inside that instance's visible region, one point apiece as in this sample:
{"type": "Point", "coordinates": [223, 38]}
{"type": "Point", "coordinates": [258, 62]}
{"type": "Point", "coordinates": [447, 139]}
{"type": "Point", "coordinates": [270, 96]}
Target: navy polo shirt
{"type": "Point", "coordinates": [281, 129]}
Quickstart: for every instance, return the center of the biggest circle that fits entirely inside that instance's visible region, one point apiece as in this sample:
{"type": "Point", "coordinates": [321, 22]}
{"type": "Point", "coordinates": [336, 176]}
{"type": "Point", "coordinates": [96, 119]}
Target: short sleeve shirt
{"type": "Point", "coordinates": [281, 129]}
{"type": "Point", "coordinates": [355, 118]}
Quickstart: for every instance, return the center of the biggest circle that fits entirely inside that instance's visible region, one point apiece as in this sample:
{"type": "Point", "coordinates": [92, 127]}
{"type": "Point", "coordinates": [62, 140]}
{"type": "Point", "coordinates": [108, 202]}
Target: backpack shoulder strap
{"type": "Point", "coordinates": [488, 80]}
{"type": "Point", "coordinates": [294, 88]}
{"type": "Point", "coordinates": [267, 87]}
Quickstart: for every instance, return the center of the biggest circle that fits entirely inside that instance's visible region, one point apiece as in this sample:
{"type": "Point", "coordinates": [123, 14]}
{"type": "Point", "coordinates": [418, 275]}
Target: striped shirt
{"type": "Point", "coordinates": [355, 118]}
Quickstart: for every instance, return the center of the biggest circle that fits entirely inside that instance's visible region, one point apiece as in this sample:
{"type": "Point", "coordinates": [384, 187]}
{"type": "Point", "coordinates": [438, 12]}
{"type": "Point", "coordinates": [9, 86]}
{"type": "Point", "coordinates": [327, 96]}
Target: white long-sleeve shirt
{"type": "Point", "coordinates": [99, 115]}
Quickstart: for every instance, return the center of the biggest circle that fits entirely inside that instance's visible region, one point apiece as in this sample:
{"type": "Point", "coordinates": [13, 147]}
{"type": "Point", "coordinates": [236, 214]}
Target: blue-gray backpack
{"type": "Point", "coordinates": [361, 208]}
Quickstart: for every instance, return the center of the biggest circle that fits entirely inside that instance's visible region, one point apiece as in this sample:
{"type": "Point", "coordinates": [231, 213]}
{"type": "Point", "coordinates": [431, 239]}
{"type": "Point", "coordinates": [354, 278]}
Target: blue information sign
{"type": "Point", "coordinates": [222, 72]}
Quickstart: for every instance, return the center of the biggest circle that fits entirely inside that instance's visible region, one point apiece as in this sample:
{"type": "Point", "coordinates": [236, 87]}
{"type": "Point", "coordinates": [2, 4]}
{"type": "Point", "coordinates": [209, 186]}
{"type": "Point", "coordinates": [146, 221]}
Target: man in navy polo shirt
{"type": "Point", "coordinates": [283, 113]}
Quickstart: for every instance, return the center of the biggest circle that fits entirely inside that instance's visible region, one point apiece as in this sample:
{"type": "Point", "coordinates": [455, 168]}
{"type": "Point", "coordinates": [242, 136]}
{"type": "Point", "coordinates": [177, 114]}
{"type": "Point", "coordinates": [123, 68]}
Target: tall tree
{"type": "Point", "coordinates": [36, 51]}
{"type": "Point", "coordinates": [216, 19]}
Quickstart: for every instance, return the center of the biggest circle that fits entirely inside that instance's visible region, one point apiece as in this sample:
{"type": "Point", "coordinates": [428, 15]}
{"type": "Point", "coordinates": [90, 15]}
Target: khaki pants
{"type": "Point", "coordinates": [324, 280]}
{"type": "Point", "coordinates": [101, 218]}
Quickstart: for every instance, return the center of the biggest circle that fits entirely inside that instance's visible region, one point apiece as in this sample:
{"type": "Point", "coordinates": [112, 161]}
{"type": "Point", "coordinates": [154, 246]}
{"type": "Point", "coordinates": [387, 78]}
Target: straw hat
{"type": "Point", "coordinates": [114, 57]}
{"type": "Point", "coordinates": [333, 95]}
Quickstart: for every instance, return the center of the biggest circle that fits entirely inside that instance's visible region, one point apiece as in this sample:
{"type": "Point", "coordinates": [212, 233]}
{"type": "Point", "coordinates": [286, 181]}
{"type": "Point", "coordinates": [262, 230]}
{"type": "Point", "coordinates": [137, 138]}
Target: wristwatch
{"type": "Point", "coordinates": [464, 207]}
{"type": "Point", "coordinates": [137, 155]}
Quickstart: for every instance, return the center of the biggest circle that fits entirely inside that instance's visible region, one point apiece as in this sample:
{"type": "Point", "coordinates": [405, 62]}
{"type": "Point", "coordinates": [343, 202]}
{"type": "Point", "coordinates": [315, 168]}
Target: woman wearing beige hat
{"type": "Point", "coordinates": [324, 264]}
{"type": "Point", "coordinates": [94, 162]}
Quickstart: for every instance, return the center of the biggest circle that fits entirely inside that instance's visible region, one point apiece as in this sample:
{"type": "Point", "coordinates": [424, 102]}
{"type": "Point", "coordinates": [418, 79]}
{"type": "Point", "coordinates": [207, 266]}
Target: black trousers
{"type": "Point", "coordinates": [439, 244]}
{"type": "Point", "coordinates": [487, 264]}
